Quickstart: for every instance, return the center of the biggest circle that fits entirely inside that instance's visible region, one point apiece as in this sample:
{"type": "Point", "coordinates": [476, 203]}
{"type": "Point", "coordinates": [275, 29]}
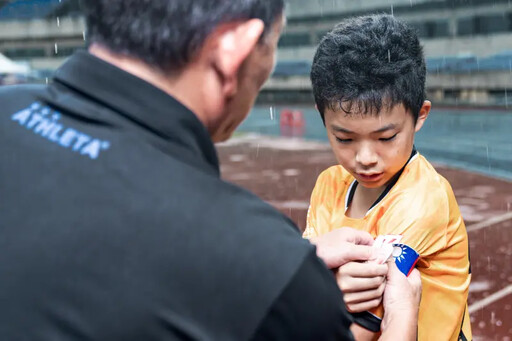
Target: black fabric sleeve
{"type": "Point", "coordinates": [311, 307]}
{"type": "Point", "coordinates": [367, 320]}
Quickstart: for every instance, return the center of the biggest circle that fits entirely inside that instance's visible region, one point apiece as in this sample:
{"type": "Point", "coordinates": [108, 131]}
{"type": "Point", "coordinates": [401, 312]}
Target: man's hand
{"type": "Point", "coordinates": [402, 298]}
{"type": "Point", "coordinates": [343, 245]}
{"type": "Point", "coordinates": [362, 284]}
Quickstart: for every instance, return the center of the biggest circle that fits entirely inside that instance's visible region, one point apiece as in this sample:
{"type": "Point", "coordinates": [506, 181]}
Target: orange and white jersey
{"type": "Point", "coordinates": [421, 207]}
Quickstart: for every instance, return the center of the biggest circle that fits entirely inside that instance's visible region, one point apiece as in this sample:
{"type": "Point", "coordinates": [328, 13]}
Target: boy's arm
{"type": "Point", "coordinates": [431, 224]}
{"type": "Point", "coordinates": [320, 205]}
{"type": "Point", "coordinates": [310, 231]}
{"type": "Point", "coordinates": [363, 334]}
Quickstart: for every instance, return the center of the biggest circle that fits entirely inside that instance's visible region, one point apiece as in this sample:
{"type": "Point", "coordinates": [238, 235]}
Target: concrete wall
{"type": "Point", "coordinates": [33, 30]}
{"type": "Point", "coordinates": [481, 46]}
{"type": "Point", "coordinates": [483, 88]}
{"type": "Point", "coordinates": [301, 8]}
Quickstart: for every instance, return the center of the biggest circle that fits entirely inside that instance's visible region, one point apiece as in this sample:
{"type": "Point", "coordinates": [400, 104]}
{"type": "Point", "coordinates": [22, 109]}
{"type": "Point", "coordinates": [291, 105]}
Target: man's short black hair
{"type": "Point", "coordinates": [166, 34]}
{"type": "Point", "coordinates": [369, 62]}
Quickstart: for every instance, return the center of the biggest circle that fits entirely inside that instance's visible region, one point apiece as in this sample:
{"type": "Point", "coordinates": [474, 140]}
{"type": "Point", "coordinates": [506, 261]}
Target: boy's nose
{"type": "Point", "coordinates": [366, 157]}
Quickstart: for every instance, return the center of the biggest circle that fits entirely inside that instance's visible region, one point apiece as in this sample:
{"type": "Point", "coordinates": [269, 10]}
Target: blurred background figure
{"type": "Point", "coordinates": [11, 72]}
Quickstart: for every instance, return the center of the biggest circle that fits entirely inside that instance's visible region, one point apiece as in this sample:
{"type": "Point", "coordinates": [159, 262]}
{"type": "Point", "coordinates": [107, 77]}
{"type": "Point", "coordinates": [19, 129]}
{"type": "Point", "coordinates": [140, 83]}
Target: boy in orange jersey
{"type": "Point", "coordinates": [368, 79]}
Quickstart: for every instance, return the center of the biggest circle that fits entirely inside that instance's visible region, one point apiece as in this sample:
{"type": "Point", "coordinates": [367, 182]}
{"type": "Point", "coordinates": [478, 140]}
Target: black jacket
{"type": "Point", "coordinates": [115, 225]}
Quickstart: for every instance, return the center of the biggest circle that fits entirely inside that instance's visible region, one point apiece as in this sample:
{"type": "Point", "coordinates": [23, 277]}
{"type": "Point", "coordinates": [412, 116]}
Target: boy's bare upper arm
{"type": "Point", "coordinates": [363, 334]}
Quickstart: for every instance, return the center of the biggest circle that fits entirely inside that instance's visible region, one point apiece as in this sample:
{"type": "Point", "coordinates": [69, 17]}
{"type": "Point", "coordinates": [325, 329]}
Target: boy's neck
{"type": "Point", "coordinates": [363, 200]}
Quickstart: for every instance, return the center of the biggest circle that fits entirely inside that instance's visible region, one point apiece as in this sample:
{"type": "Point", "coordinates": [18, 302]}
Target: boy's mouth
{"type": "Point", "coordinates": [370, 177]}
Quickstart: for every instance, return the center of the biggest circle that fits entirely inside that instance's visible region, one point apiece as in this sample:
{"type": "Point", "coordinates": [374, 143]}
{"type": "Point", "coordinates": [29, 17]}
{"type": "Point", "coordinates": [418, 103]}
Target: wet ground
{"type": "Point", "coordinates": [283, 172]}
{"type": "Point", "coordinates": [472, 139]}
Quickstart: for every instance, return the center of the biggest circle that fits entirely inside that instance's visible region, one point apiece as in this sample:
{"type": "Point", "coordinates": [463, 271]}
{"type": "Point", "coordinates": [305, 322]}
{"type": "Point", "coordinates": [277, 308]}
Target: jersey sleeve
{"type": "Point", "coordinates": [421, 221]}
{"type": "Point", "coordinates": [431, 224]}
{"type": "Point", "coordinates": [320, 206]}
{"type": "Point", "coordinates": [420, 218]}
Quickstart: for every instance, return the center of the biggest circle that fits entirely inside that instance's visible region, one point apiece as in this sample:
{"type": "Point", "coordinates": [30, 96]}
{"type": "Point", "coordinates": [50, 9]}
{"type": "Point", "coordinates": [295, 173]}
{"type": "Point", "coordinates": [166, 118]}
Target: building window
{"type": "Point", "coordinates": [319, 35]}
{"type": "Point", "coordinates": [437, 29]}
{"type": "Point", "coordinates": [65, 51]}
{"type": "Point", "coordinates": [485, 24]}
{"type": "Point", "coordinates": [295, 39]}
{"type": "Point", "coordinates": [420, 28]}
{"type": "Point", "coordinates": [431, 29]}
{"type": "Point", "coordinates": [494, 23]}
{"type": "Point", "coordinates": [25, 53]}
{"type": "Point", "coordinates": [467, 26]}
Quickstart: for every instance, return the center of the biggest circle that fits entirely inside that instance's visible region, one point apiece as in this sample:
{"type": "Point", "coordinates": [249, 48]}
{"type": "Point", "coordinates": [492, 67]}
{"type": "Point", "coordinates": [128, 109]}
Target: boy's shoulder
{"type": "Point", "coordinates": [420, 184]}
{"type": "Point", "coordinates": [422, 207]}
{"type": "Point", "coordinates": [420, 175]}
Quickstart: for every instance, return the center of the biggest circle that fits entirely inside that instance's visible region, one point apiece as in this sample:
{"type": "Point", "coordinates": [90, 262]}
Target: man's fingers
{"type": "Point", "coordinates": [395, 276]}
{"type": "Point", "coordinates": [356, 236]}
{"type": "Point", "coordinates": [358, 252]}
{"type": "Point", "coordinates": [363, 238]}
{"type": "Point", "coordinates": [415, 278]}
{"type": "Point", "coordinates": [364, 296]}
{"type": "Point", "coordinates": [358, 269]}
{"type": "Point", "coordinates": [415, 281]}
{"type": "Point", "coordinates": [365, 306]}
{"type": "Point", "coordinates": [351, 284]}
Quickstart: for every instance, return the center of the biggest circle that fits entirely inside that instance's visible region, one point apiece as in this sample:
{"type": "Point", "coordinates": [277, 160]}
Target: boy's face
{"type": "Point", "coordinates": [373, 148]}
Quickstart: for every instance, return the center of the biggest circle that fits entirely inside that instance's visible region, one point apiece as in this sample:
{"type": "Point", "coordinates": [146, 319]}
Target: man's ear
{"type": "Point", "coordinates": [232, 44]}
{"type": "Point", "coordinates": [423, 114]}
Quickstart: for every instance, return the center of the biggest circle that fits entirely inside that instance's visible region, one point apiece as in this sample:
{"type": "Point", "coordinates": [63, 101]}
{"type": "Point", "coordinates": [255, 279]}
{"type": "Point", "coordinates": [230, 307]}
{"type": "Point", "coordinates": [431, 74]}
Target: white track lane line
{"type": "Point", "coordinates": [498, 295]}
{"type": "Point", "coordinates": [489, 222]}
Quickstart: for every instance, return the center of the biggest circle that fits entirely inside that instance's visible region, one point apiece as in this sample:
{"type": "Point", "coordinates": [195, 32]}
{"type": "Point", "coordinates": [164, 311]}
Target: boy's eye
{"type": "Point", "coordinates": [388, 138]}
{"type": "Point", "coordinates": [343, 140]}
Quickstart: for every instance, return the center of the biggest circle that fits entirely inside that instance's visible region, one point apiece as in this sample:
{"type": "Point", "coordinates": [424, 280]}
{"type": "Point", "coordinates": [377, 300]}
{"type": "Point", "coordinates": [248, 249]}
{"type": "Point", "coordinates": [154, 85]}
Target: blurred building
{"type": "Point", "coordinates": [40, 32]}
{"type": "Point", "coordinates": [468, 43]}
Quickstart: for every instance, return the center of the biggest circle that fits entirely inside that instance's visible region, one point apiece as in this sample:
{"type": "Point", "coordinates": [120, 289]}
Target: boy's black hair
{"type": "Point", "coordinates": [166, 34]}
{"type": "Point", "coordinates": [369, 62]}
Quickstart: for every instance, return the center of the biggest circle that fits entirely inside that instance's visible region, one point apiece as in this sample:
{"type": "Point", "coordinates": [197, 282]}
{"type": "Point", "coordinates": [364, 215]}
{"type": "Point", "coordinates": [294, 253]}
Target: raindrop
{"type": "Point", "coordinates": [488, 160]}
{"type": "Point", "coordinates": [389, 56]}
{"type": "Point", "coordinates": [272, 113]}
{"type": "Point", "coordinates": [56, 49]}
{"type": "Point", "coordinates": [83, 34]}
{"type": "Point", "coordinates": [499, 323]}
{"type": "Point", "coordinates": [58, 22]}
{"type": "Point", "coordinates": [392, 12]}
{"type": "Point", "coordinates": [481, 325]}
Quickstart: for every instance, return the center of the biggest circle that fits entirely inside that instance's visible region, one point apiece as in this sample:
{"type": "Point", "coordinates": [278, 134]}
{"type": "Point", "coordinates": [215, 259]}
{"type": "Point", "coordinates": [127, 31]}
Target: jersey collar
{"type": "Point", "coordinates": [138, 101]}
{"type": "Point", "coordinates": [352, 189]}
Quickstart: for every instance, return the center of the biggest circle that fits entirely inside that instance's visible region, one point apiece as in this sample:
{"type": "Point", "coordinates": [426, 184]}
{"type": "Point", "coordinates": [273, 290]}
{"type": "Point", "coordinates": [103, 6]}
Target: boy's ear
{"type": "Point", "coordinates": [423, 114]}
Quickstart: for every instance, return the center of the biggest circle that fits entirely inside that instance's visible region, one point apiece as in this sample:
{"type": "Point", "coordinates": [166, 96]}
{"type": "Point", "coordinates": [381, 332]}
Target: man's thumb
{"type": "Point", "coordinates": [394, 273]}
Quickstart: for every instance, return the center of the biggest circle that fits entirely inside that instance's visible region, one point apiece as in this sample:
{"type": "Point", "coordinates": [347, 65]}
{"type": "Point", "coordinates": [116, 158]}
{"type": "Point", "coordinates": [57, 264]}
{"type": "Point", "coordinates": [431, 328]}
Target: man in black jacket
{"type": "Point", "coordinates": [115, 224]}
